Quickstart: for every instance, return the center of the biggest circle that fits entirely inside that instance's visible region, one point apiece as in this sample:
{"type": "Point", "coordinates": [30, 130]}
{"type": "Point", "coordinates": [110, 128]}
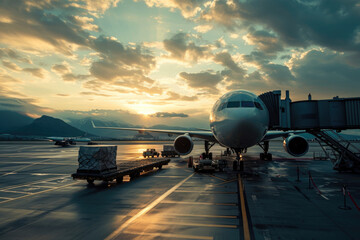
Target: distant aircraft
{"type": "Point", "coordinates": [67, 141]}
{"type": "Point", "coordinates": [238, 120]}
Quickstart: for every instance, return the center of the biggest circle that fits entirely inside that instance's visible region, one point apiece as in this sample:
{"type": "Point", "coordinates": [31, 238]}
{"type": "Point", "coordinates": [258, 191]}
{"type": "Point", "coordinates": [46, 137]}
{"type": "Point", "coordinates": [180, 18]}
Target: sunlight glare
{"type": "Point", "coordinates": [143, 109]}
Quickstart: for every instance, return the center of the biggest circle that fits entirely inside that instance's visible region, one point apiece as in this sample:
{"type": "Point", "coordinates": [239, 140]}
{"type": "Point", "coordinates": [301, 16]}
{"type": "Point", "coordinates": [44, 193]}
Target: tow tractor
{"type": "Point", "coordinates": [207, 163]}
{"type": "Point", "coordinates": [150, 153]}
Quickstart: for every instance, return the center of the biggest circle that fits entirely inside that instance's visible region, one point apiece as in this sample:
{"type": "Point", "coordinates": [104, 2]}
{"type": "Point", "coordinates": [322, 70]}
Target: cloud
{"type": "Point", "coordinates": [334, 24]}
{"type": "Point", "coordinates": [95, 6]}
{"type": "Point", "coordinates": [264, 41]}
{"type": "Point", "coordinates": [74, 77]}
{"type": "Point", "coordinates": [112, 50]}
{"type": "Point", "coordinates": [109, 70]}
{"type": "Point", "coordinates": [225, 59]}
{"type": "Point", "coordinates": [50, 26]}
{"type": "Point", "coordinates": [122, 66]}
{"type": "Point", "coordinates": [11, 65]}
{"type": "Point", "coordinates": [178, 97]}
{"type": "Point", "coordinates": [65, 72]}
{"type": "Point", "coordinates": [35, 27]}
{"type": "Point", "coordinates": [60, 69]}
{"type": "Point", "coordinates": [4, 78]}
{"type": "Point", "coordinates": [324, 73]}
{"type": "Point", "coordinates": [25, 105]}
{"type": "Point", "coordinates": [254, 81]}
{"type": "Point", "coordinates": [169, 115]}
{"type": "Point", "coordinates": [9, 53]}
{"type": "Point", "coordinates": [203, 28]}
{"type": "Point", "coordinates": [316, 71]}
{"type": "Point", "coordinates": [37, 72]}
{"type": "Point", "coordinates": [226, 13]}
{"type": "Point", "coordinates": [7, 86]}
{"type": "Point", "coordinates": [62, 95]}
{"type": "Point", "coordinates": [95, 94]}
{"type": "Point", "coordinates": [181, 48]}
{"type": "Point", "coordinates": [206, 80]}
{"type": "Point", "coordinates": [188, 8]}
{"type": "Point", "coordinates": [86, 23]}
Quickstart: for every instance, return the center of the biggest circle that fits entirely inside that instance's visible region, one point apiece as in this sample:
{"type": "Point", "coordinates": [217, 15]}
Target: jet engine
{"type": "Point", "coordinates": [296, 145]}
{"type": "Point", "coordinates": [183, 144]}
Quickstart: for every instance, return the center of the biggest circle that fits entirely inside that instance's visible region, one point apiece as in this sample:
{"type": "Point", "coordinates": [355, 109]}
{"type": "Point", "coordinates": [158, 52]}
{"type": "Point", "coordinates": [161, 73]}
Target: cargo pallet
{"type": "Point", "coordinates": [124, 168]}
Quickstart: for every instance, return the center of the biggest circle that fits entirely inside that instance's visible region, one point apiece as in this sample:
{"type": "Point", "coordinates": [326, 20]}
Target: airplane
{"type": "Point", "coordinates": [238, 120]}
{"type": "Point", "coordinates": [67, 141]}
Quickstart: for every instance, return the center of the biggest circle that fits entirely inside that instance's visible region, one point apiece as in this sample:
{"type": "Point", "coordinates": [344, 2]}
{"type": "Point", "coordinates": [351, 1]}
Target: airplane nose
{"type": "Point", "coordinates": [240, 128]}
{"type": "Point", "coordinates": [246, 131]}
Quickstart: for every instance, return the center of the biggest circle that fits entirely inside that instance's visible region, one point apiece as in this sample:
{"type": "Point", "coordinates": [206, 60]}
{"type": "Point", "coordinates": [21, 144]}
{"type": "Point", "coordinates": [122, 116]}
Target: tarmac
{"type": "Point", "coordinates": [40, 200]}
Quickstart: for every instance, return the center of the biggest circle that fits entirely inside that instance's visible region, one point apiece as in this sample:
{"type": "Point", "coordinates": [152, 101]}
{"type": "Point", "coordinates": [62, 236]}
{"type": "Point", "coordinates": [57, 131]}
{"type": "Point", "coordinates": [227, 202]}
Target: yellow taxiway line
{"type": "Point", "coordinates": [243, 210]}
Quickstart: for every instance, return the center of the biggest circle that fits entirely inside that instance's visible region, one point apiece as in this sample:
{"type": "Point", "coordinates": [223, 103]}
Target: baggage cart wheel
{"type": "Point", "coordinates": [119, 179]}
{"type": "Point", "coordinates": [235, 165]}
{"type": "Point", "coordinates": [134, 175]}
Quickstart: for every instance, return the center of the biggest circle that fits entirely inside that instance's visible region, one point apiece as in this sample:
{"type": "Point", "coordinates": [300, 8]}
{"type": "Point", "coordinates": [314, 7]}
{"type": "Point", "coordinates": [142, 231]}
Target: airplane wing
{"type": "Point", "coordinates": [59, 139]}
{"type": "Point", "coordinates": [56, 138]}
{"type": "Point", "coordinates": [81, 139]}
{"type": "Point", "coordinates": [203, 134]}
{"type": "Point", "coordinates": [275, 134]}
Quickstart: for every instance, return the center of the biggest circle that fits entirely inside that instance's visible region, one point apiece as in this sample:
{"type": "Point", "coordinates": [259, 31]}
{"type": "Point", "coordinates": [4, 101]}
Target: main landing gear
{"type": "Point", "coordinates": [265, 155]}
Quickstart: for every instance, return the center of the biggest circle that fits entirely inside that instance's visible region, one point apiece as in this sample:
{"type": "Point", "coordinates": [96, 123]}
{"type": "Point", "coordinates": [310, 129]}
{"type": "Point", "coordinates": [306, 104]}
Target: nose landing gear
{"type": "Point", "coordinates": [207, 154]}
{"type": "Point", "coordinates": [265, 155]}
{"type": "Point", "coordinates": [239, 160]}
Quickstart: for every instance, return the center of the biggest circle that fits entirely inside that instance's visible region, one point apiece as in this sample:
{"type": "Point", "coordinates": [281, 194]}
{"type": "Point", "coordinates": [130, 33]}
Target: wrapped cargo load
{"type": "Point", "coordinates": [97, 159]}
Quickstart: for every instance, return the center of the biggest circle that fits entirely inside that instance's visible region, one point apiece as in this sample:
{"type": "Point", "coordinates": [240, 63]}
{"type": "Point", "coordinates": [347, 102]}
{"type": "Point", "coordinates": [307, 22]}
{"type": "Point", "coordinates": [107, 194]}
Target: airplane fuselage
{"type": "Point", "coordinates": [239, 119]}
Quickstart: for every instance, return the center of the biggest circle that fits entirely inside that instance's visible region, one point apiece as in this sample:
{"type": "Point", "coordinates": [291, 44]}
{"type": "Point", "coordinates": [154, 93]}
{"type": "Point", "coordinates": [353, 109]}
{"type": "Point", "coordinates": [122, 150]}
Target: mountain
{"type": "Point", "coordinates": [10, 120]}
{"type": "Point", "coordinates": [48, 126]}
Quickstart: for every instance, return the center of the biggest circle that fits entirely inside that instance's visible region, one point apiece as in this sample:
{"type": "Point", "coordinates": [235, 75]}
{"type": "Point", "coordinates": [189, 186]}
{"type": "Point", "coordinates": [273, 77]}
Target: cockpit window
{"type": "Point", "coordinates": [221, 106]}
{"type": "Point", "coordinates": [238, 104]}
{"type": "Point", "coordinates": [247, 104]}
{"type": "Point", "coordinates": [257, 105]}
{"type": "Point", "coordinates": [233, 104]}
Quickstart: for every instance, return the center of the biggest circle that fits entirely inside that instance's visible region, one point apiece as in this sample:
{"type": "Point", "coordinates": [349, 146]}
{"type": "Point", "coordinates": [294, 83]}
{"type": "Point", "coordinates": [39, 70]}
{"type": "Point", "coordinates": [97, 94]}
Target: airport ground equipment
{"type": "Point", "coordinates": [97, 158]}
{"type": "Point", "coordinates": [206, 164]}
{"type": "Point", "coordinates": [151, 153]}
{"type": "Point", "coordinates": [319, 118]}
{"type": "Point", "coordinates": [99, 163]}
{"type": "Point", "coordinates": [67, 141]}
{"type": "Point", "coordinates": [132, 169]}
{"type": "Point", "coordinates": [345, 155]}
{"type": "Point", "coordinates": [169, 151]}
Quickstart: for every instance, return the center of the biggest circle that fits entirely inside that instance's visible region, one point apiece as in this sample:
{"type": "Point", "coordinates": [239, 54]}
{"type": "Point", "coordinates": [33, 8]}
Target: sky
{"type": "Point", "coordinates": [167, 61]}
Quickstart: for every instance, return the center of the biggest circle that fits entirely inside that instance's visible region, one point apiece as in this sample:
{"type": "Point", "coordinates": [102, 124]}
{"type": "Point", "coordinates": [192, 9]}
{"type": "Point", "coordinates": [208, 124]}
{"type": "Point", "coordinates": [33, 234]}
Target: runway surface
{"type": "Point", "coordinates": [39, 199]}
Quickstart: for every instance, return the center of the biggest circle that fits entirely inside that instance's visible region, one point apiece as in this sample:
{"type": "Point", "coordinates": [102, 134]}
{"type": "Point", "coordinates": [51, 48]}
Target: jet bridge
{"type": "Point", "coordinates": [315, 116]}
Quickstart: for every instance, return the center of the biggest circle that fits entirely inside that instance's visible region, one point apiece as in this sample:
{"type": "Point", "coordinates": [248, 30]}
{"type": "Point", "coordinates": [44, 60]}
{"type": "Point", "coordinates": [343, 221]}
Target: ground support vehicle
{"type": "Point", "coordinates": [169, 151]}
{"type": "Point", "coordinates": [207, 164]}
{"type": "Point", "coordinates": [124, 168]}
{"type": "Point", "coordinates": [150, 153]}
